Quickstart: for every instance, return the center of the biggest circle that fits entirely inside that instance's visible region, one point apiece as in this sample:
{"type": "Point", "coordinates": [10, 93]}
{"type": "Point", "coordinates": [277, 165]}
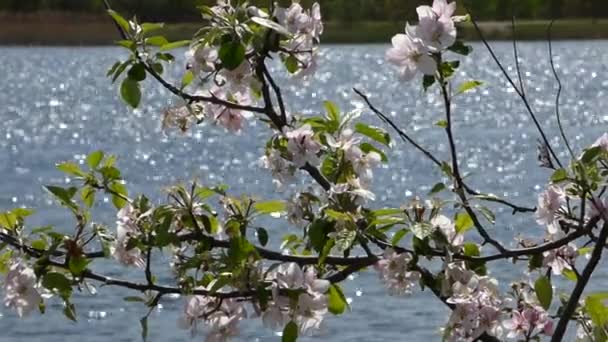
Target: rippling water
{"type": "Point", "coordinates": [57, 105]}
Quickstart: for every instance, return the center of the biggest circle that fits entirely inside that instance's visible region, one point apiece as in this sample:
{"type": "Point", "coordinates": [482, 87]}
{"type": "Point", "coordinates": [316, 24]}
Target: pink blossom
{"type": "Point", "coordinates": [410, 56]}
{"type": "Point", "coordinates": [561, 258]}
{"type": "Point", "coordinates": [549, 203]}
{"type": "Point", "coordinates": [395, 271]}
{"type": "Point", "coordinates": [602, 142]}
{"type": "Point", "coordinates": [302, 146]}
{"type": "Point", "coordinates": [437, 32]}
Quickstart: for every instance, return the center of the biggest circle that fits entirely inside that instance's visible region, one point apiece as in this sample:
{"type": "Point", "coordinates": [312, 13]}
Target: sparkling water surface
{"type": "Point", "coordinates": [56, 105]}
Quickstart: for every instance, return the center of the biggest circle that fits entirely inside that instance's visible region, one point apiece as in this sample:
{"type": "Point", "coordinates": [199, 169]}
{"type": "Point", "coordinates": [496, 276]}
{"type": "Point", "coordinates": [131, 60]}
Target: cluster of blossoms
{"type": "Point", "coordinates": [306, 28]}
{"type": "Point", "coordinates": [221, 316]}
{"type": "Point", "coordinates": [21, 289]}
{"type": "Point", "coordinates": [300, 31]}
{"type": "Point", "coordinates": [477, 304]}
{"type": "Point", "coordinates": [528, 318]}
{"type": "Point", "coordinates": [416, 50]}
{"type": "Point", "coordinates": [126, 228]}
{"type": "Point", "coordinates": [395, 271]}
{"type": "Point", "coordinates": [297, 296]}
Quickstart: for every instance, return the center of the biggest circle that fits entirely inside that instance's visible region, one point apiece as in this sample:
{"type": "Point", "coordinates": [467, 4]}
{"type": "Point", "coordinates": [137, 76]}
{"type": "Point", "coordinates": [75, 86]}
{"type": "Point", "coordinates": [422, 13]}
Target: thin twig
{"type": "Point", "coordinates": [581, 283]}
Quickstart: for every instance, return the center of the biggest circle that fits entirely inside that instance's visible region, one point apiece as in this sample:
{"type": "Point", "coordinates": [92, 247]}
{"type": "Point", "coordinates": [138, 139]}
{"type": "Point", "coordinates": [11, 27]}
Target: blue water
{"type": "Point", "coordinates": [56, 105]}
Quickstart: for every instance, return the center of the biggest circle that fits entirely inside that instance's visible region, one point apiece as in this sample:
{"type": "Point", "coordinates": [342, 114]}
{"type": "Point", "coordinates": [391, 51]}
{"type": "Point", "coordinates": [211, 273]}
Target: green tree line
{"type": "Point", "coordinates": [335, 10]}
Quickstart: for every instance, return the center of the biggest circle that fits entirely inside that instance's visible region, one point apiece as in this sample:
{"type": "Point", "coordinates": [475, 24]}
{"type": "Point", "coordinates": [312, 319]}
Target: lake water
{"type": "Point", "coordinates": [57, 105]}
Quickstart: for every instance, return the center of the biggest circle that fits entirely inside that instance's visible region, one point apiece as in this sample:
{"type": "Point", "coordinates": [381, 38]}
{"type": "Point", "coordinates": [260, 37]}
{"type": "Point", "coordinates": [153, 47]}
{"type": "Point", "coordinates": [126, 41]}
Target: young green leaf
{"type": "Point", "coordinates": [374, 133]}
{"type": "Point", "coordinates": [270, 207]}
{"type": "Point", "coordinates": [467, 86]}
{"type": "Point", "coordinates": [544, 291]}
{"type": "Point", "coordinates": [336, 300]}
{"type": "Point", "coordinates": [174, 45]}
{"type": "Point", "coordinates": [130, 92]}
{"type": "Point", "coordinates": [290, 332]}
{"type": "Point", "coordinates": [232, 54]}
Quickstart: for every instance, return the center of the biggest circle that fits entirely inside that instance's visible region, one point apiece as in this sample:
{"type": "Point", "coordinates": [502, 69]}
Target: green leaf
{"type": "Point", "coordinates": [427, 81]}
{"type": "Point", "coordinates": [559, 175]}
{"type": "Point", "coordinates": [187, 78]}
{"type": "Point", "coordinates": [120, 70]}
{"type": "Point", "coordinates": [270, 207]}
{"type": "Point", "coordinates": [487, 213]}
{"type": "Point", "coordinates": [39, 245]}
{"type": "Point", "coordinates": [468, 85]}
{"type": "Point", "coordinates": [271, 25]}
{"type": "Point", "coordinates": [422, 230]}
{"type": "Point", "coordinates": [157, 41]}
{"type": "Point", "coordinates": [437, 188]}
{"type": "Point", "coordinates": [94, 158]}
{"type": "Point", "coordinates": [88, 196]}
{"type": "Point", "coordinates": [262, 236]}
{"type": "Point", "coordinates": [55, 281]}
{"type": "Point", "coordinates": [544, 291]}
{"type": "Point", "coordinates": [570, 275]}
{"type": "Point", "coordinates": [317, 234]}
{"type": "Point", "coordinates": [122, 22]}
{"type": "Point", "coordinates": [143, 322]}
{"type": "Point", "coordinates": [398, 236]}
{"type": "Point", "coordinates": [78, 264]}
{"type": "Point", "coordinates": [63, 195]}
{"type": "Point", "coordinates": [460, 48]}
{"type": "Point", "coordinates": [174, 45]}
{"type": "Point", "coordinates": [8, 220]}
{"type": "Point", "coordinates": [333, 112]}
{"type": "Point", "coordinates": [374, 133]}
{"type": "Point", "coordinates": [345, 239]}
{"type": "Point", "coordinates": [597, 310]}
{"type": "Point", "coordinates": [291, 64]}
{"type": "Point", "coordinates": [232, 54]}
{"type": "Point", "coordinates": [441, 123]}
{"type": "Point", "coordinates": [367, 148]}
{"type": "Point", "coordinates": [463, 223]}
{"type": "Point", "coordinates": [591, 154]}
{"type": "Point", "coordinates": [71, 168]}
{"type": "Point", "coordinates": [290, 332]}
{"type": "Point", "coordinates": [120, 189]}
{"type": "Point", "coordinates": [149, 27]}
{"type": "Point", "coordinates": [70, 311]}
{"type": "Point", "coordinates": [336, 303]}
{"type": "Point", "coordinates": [130, 92]}
{"type": "Point", "coordinates": [137, 72]}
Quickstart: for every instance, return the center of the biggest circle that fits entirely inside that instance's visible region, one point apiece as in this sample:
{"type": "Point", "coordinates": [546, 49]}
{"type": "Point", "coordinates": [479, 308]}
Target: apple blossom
{"type": "Point", "coordinates": [282, 170]}
{"type": "Point", "coordinates": [20, 291]}
{"type": "Point", "coordinates": [602, 142]}
{"type": "Point", "coordinates": [302, 146]}
{"type": "Point", "coordinates": [201, 59]}
{"type": "Point", "coordinates": [410, 56]}
{"type": "Point", "coordinates": [549, 203]}
{"type": "Point", "coordinates": [561, 258]}
{"type": "Point", "coordinates": [448, 229]}
{"type": "Point", "coordinates": [395, 271]}
{"type": "Point", "coordinates": [311, 306]}
{"type": "Point", "coordinates": [126, 228]}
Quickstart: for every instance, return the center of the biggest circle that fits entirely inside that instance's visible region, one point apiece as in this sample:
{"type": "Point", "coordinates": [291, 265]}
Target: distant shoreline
{"type": "Point", "coordinates": [62, 28]}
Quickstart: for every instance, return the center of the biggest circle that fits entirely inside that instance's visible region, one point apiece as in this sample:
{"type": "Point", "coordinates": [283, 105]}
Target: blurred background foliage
{"type": "Point", "coordinates": [344, 11]}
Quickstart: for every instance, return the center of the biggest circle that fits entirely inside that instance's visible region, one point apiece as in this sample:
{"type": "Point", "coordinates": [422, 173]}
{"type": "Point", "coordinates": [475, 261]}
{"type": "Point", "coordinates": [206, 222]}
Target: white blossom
{"type": "Point", "coordinates": [302, 146]}
{"type": "Point", "coordinates": [561, 258]}
{"type": "Point", "coordinates": [396, 274]}
{"type": "Point", "coordinates": [309, 310]}
{"type": "Point", "coordinates": [126, 227]}
{"type": "Point", "coordinates": [282, 170]}
{"type": "Point", "coordinates": [549, 202]}
{"type": "Point", "coordinates": [602, 142]}
{"type": "Point", "coordinates": [436, 28]}
{"type": "Point", "coordinates": [201, 59]}
{"type": "Point", "coordinates": [410, 56]}
{"type": "Point", "coordinates": [20, 291]}
{"type": "Point", "coordinates": [447, 227]}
